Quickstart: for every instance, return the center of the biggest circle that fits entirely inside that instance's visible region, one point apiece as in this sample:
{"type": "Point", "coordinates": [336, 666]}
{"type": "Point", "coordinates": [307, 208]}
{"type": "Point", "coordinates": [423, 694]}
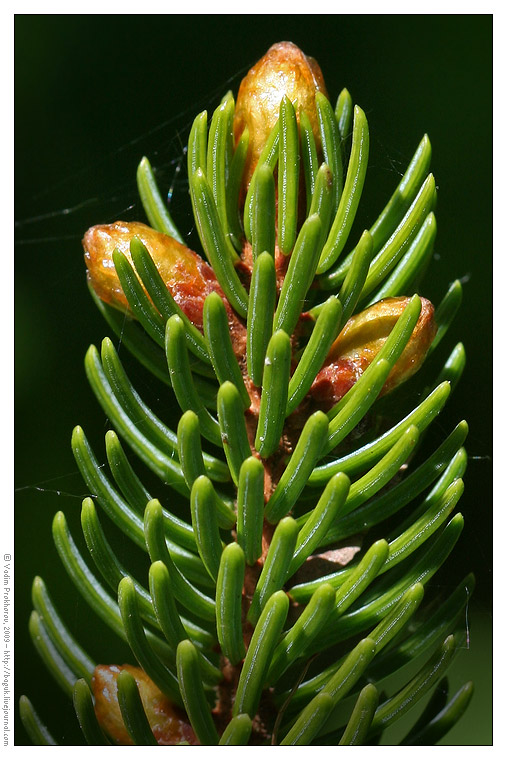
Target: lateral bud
{"type": "Point", "coordinates": [169, 724]}
{"type": "Point", "coordinates": [188, 278]}
{"type": "Point", "coordinates": [360, 342]}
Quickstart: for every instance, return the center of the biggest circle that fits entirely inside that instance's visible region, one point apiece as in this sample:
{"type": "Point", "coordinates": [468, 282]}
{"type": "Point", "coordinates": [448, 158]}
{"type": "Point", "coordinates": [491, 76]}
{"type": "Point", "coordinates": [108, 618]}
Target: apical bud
{"type": "Point", "coordinates": [359, 343]}
{"type": "Point", "coordinates": [283, 70]}
{"type": "Point", "coordinates": [169, 724]}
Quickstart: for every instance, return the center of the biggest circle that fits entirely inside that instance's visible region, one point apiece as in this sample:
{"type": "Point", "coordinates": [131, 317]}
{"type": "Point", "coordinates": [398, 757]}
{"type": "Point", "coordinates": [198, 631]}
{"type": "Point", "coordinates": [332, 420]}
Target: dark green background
{"type": "Point", "coordinates": [96, 93]}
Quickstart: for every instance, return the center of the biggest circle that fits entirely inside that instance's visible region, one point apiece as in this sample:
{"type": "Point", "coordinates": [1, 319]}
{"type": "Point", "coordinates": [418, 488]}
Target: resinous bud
{"type": "Point", "coordinates": [188, 278]}
{"type": "Point", "coordinates": [360, 342]}
{"type": "Point", "coordinates": [168, 723]}
{"type": "Point", "coordinates": [283, 70]}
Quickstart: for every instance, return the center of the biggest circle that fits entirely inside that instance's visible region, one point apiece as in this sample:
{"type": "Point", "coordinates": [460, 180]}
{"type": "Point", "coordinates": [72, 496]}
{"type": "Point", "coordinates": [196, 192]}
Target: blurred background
{"type": "Point", "coordinates": [93, 94]}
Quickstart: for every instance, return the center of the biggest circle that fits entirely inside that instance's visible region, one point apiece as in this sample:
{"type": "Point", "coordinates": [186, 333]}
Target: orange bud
{"type": "Point", "coordinates": [168, 723]}
{"type": "Point", "coordinates": [188, 278]}
{"type": "Point", "coordinates": [284, 70]}
{"type": "Point", "coordinates": [359, 343]}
